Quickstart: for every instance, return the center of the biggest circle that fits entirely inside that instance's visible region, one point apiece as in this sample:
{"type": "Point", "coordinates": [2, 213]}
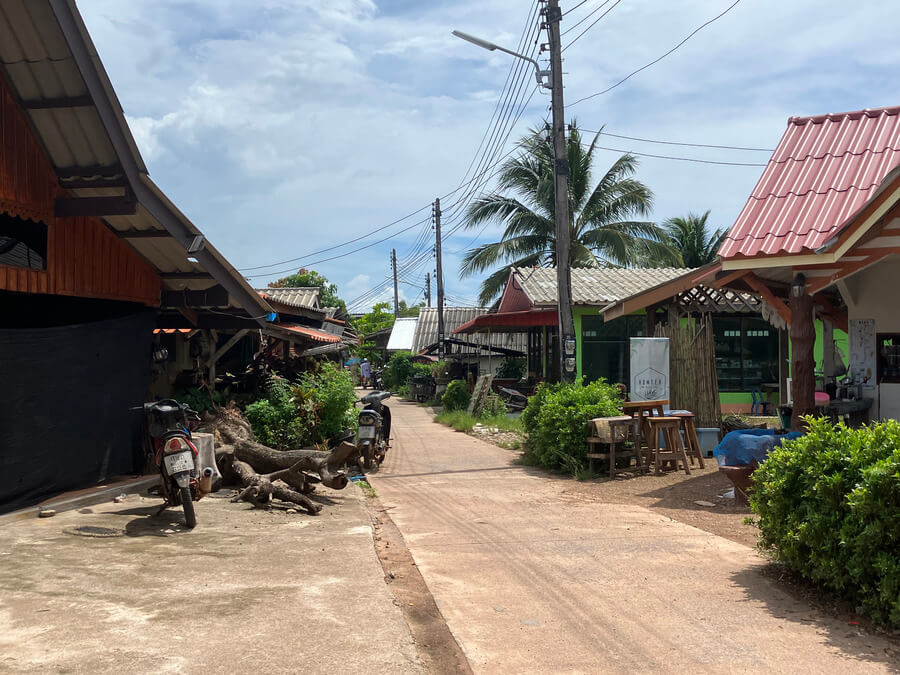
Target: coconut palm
{"type": "Point", "coordinates": [690, 237]}
{"type": "Point", "coordinates": [603, 228]}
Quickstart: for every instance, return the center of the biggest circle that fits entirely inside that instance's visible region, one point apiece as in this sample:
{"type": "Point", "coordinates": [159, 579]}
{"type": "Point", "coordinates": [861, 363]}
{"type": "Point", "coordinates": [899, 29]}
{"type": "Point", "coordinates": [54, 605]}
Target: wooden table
{"type": "Point", "coordinates": [641, 410]}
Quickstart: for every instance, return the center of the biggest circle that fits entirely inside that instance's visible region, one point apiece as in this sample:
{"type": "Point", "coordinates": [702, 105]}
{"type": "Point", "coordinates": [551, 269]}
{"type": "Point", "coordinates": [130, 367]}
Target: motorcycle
{"type": "Point", "coordinates": [169, 425]}
{"type": "Point", "coordinates": [376, 380]}
{"type": "Point", "coordinates": [374, 431]}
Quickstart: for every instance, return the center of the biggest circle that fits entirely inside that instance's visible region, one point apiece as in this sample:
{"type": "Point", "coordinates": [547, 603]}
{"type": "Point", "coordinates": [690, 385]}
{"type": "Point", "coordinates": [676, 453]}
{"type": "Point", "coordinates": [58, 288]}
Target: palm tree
{"type": "Point", "coordinates": [689, 236]}
{"type": "Point", "coordinates": [603, 230]}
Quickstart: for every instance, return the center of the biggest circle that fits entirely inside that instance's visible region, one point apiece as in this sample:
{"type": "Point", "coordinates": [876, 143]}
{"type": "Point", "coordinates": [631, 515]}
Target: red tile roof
{"type": "Point", "coordinates": [823, 171]}
{"type": "Point", "coordinates": [312, 333]}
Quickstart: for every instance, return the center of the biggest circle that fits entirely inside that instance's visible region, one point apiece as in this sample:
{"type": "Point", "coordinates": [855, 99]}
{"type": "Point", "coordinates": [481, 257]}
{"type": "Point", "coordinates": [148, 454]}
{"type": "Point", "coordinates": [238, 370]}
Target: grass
{"type": "Point", "coordinates": [463, 421]}
{"type": "Point", "coordinates": [367, 489]}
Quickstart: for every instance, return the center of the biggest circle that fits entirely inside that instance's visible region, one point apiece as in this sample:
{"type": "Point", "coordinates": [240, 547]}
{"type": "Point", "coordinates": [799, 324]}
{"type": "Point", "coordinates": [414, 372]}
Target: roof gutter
{"type": "Point", "coordinates": [146, 192]}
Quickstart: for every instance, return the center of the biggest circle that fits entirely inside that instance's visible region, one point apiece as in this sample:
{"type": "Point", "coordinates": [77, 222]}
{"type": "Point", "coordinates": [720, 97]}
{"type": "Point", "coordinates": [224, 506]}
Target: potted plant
{"type": "Point", "coordinates": [509, 372]}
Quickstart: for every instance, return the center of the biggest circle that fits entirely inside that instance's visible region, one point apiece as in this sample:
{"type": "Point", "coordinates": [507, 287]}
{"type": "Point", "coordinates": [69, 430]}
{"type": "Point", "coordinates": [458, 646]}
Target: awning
{"type": "Point", "coordinates": [307, 332]}
{"type": "Point", "coordinates": [510, 322]}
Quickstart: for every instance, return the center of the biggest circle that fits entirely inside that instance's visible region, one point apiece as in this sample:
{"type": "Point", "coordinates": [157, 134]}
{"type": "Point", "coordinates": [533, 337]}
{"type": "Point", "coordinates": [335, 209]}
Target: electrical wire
{"type": "Point", "coordinates": [572, 9]}
{"type": "Point", "coordinates": [585, 18]}
{"type": "Point", "coordinates": [690, 145]}
{"type": "Point", "coordinates": [679, 159]}
{"type": "Point", "coordinates": [658, 59]}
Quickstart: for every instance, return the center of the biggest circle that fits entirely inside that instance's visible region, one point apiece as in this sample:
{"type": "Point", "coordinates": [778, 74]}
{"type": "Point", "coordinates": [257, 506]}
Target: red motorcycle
{"type": "Point", "coordinates": [169, 426]}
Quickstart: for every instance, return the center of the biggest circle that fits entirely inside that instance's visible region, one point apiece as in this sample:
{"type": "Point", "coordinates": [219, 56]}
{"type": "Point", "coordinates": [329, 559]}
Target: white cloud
{"type": "Point", "coordinates": [283, 127]}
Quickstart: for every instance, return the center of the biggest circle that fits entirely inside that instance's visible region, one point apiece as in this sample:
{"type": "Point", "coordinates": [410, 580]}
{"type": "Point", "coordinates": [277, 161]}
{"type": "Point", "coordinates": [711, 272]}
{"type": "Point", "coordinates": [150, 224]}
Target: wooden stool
{"type": "Point", "coordinates": [613, 432]}
{"type": "Point", "coordinates": [690, 436]}
{"type": "Point", "coordinates": [674, 450]}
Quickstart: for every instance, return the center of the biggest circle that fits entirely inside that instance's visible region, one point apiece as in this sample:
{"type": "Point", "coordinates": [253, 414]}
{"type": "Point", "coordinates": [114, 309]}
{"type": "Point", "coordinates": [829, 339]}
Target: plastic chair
{"type": "Point", "coordinates": [760, 404]}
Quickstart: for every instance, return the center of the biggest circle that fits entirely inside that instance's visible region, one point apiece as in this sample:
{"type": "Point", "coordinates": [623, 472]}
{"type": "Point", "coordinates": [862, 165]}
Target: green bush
{"type": "Point", "coordinates": [829, 507]}
{"type": "Point", "coordinates": [457, 396]}
{"type": "Point", "coordinates": [275, 420]}
{"type": "Point", "coordinates": [315, 410]}
{"type": "Point", "coordinates": [556, 421]}
{"type": "Point", "coordinates": [333, 399]}
{"type": "Point", "coordinates": [397, 370]}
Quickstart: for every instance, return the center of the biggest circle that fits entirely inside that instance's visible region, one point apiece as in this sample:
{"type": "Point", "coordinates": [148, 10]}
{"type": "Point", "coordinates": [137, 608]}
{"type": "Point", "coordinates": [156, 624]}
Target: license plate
{"type": "Point", "coordinates": [367, 432]}
{"type": "Point", "coordinates": [181, 461]}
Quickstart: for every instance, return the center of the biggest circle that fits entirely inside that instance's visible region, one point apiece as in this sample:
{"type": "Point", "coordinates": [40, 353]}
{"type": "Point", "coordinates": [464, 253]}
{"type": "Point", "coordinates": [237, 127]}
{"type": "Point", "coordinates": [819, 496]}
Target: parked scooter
{"type": "Point", "coordinates": [377, 383]}
{"type": "Point", "coordinates": [374, 433]}
{"type": "Point", "coordinates": [169, 426]}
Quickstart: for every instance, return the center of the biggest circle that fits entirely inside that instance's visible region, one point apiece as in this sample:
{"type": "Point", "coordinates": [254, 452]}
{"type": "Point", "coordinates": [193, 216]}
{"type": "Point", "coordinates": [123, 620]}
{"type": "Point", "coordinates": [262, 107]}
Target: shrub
{"type": "Point", "coordinates": [829, 507]}
{"type": "Point", "coordinates": [421, 370]}
{"type": "Point", "coordinates": [333, 398]}
{"type": "Point", "coordinates": [275, 420]}
{"type": "Point", "coordinates": [556, 420]}
{"type": "Point", "coordinates": [457, 396]}
{"type": "Point", "coordinates": [511, 368]}
{"type": "Point", "coordinates": [316, 409]}
{"type": "Point", "coordinates": [397, 370]}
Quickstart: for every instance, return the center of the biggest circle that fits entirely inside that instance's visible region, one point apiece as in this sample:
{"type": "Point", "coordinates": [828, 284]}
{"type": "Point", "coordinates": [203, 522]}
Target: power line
{"type": "Point", "coordinates": [657, 60]}
{"type": "Point", "coordinates": [596, 21]}
{"type": "Point", "coordinates": [680, 159]}
{"type": "Point", "coordinates": [691, 145]}
{"type": "Point", "coordinates": [572, 9]}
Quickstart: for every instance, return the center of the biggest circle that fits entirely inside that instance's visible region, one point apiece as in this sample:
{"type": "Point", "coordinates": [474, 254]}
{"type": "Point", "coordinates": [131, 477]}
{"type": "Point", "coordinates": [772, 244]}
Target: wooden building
{"type": "Point", "coordinates": [93, 258]}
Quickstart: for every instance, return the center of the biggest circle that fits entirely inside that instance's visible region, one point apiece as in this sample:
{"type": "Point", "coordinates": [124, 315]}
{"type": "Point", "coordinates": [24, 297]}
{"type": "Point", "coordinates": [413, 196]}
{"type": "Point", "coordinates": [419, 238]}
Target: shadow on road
{"type": "Point", "coordinates": [797, 602]}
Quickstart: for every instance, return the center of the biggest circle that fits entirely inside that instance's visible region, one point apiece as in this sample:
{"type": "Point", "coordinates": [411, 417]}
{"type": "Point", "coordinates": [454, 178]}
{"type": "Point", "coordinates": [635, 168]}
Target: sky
{"type": "Point", "coordinates": [286, 128]}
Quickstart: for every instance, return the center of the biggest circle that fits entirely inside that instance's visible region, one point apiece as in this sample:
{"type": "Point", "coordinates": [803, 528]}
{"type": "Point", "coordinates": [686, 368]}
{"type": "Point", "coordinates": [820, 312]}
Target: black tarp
{"type": "Point", "coordinates": [65, 394]}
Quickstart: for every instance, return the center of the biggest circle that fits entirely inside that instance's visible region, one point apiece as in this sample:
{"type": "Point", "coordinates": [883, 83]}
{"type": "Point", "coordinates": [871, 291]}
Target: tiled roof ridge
{"type": "Point", "coordinates": [806, 157]}
{"type": "Point", "coordinates": [782, 195]}
{"type": "Point", "coordinates": [851, 115]}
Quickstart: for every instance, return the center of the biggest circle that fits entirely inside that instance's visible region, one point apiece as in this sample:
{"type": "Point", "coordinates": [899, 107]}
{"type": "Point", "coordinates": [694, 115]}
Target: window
{"type": "Point", "coordinates": [746, 353]}
{"type": "Point", "coordinates": [605, 348]}
{"type": "Point", "coordinates": [23, 243]}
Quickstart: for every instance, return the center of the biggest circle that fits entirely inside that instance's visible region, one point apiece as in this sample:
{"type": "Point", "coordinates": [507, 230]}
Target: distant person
{"type": "Point", "coordinates": [365, 370]}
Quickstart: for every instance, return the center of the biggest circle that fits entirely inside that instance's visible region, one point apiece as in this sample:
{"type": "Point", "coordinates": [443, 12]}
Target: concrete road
{"type": "Point", "coordinates": [531, 581]}
{"type": "Point", "coordinates": [245, 592]}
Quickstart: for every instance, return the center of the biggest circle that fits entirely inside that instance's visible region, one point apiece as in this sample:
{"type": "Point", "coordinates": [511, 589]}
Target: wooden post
{"type": "Point", "coordinates": [803, 339]}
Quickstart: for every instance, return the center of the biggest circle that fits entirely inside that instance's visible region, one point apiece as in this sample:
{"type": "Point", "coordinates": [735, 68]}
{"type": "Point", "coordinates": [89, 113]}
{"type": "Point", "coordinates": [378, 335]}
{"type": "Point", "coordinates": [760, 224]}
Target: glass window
{"type": "Point", "coordinates": [23, 243]}
{"type": "Point", "coordinates": [746, 353]}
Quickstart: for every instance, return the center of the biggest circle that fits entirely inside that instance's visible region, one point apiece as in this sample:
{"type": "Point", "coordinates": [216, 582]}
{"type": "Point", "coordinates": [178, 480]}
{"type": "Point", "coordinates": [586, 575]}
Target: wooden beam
{"type": "Point", "coordinates": [766, 294]}
{"type": "Point", "coordinates": [215, 296]}
{"type": "Point", "coordinates": [847, 269]}
{"type": "Point", "coordinates": [232, 341]}
{"type": "Point", "coordinates": [728, 278]}
{"type": "Point", "coordinates": [94, 183]}
{"type": "Point", "coordinates": [186, 276]}
{"type": "Point", "coordinates": [803, 339]}
{"type": "Point", "coordinates": [142, 234]}
{"type": "Point", "coordinates": [60, 102]}
{"type": "Point", "coordinates": [95, 207]}
{"type": "Point", "coordinates": [106, 170]}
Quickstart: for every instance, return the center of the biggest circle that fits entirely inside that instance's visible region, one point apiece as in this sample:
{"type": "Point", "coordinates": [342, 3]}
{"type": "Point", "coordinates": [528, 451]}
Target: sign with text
{"type": "Point", "coordinates": [649, 375]}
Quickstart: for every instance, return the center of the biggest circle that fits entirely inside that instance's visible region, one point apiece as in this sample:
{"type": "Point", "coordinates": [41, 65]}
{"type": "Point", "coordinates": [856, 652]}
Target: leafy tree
{"type": "Point", "coordinates": [603, 227]}
{"type": "Point", "coordinates": [328, 296]}
{"type": "Point", "coordinates": [380, 317]}
{"type": "Point", "coordinates": [690, 237]}
{"type": "Point", "coordinates": [404, 310]}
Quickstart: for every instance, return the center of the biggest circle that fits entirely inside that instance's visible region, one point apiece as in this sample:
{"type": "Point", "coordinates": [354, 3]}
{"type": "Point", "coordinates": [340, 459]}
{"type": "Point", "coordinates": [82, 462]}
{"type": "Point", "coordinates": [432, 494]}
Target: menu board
{"type": "Point", "coordinates": [862, 349]}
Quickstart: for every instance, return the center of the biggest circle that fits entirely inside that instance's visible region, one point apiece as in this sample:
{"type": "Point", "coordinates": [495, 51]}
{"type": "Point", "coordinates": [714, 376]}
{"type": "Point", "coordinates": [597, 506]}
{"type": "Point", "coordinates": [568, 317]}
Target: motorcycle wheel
{"type": "Point", "coordinates": [187, 503]}
{"type": "Point", "coordinates": [368, 464]}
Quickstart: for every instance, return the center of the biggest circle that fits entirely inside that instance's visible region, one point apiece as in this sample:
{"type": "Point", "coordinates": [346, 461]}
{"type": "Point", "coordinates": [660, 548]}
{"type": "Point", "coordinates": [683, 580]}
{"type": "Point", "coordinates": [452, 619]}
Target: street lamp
{"type": "Point", "coordinates": [542, 76]}
{"type": "Point", "coordinates": [552, 80]}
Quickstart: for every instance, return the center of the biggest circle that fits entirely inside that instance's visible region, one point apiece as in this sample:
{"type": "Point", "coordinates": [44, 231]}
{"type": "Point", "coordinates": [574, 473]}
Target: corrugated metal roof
{"type": "Point", "coordinates": [594, 285]}
{"type": "Point", "coordinates": [454, 317]}
{"type": "Point", "coordinates": [312, 333]}
{"type": "Point", "coordinates": [823, 171]}
{"type": "Point", "coordinates": [50, 62]}
{"type": "Point", "coordinates": [297, 296]}
{"type": "Point", "coordinates": [402, 334]}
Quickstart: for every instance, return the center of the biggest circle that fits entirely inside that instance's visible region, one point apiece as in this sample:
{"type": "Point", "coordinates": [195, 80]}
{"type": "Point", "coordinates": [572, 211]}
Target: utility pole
{"type": "Point", "coordinates": [428, 288]}
{"type": "Point", "coordinates": [440, 277]}
{"type": "Point", "coordinates": [567, 356]}
{"type": "Point", "coordinates": [396, 295]}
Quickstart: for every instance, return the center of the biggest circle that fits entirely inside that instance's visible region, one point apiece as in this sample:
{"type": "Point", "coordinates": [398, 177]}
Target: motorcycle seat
{"type": "Point", "coordinates": [375, 397]}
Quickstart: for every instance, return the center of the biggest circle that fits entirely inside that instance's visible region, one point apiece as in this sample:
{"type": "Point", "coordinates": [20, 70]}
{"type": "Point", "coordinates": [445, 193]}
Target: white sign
{"type": "Point", "coordinates": [649, 369]}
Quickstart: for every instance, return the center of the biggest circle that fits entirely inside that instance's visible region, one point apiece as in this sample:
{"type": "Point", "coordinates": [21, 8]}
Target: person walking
{"type": "Point", "coordinates": [365, 370]}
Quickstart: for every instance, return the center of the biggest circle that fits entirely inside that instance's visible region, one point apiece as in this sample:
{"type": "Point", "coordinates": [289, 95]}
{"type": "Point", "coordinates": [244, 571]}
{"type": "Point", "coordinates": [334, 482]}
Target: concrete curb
{"type": "Point", "coordinates": [100, 495]}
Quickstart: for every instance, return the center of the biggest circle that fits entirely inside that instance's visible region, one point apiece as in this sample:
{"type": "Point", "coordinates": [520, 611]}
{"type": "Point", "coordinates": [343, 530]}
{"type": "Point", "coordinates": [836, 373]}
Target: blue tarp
{"type": "Point", "coordinates": [745, 446]}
